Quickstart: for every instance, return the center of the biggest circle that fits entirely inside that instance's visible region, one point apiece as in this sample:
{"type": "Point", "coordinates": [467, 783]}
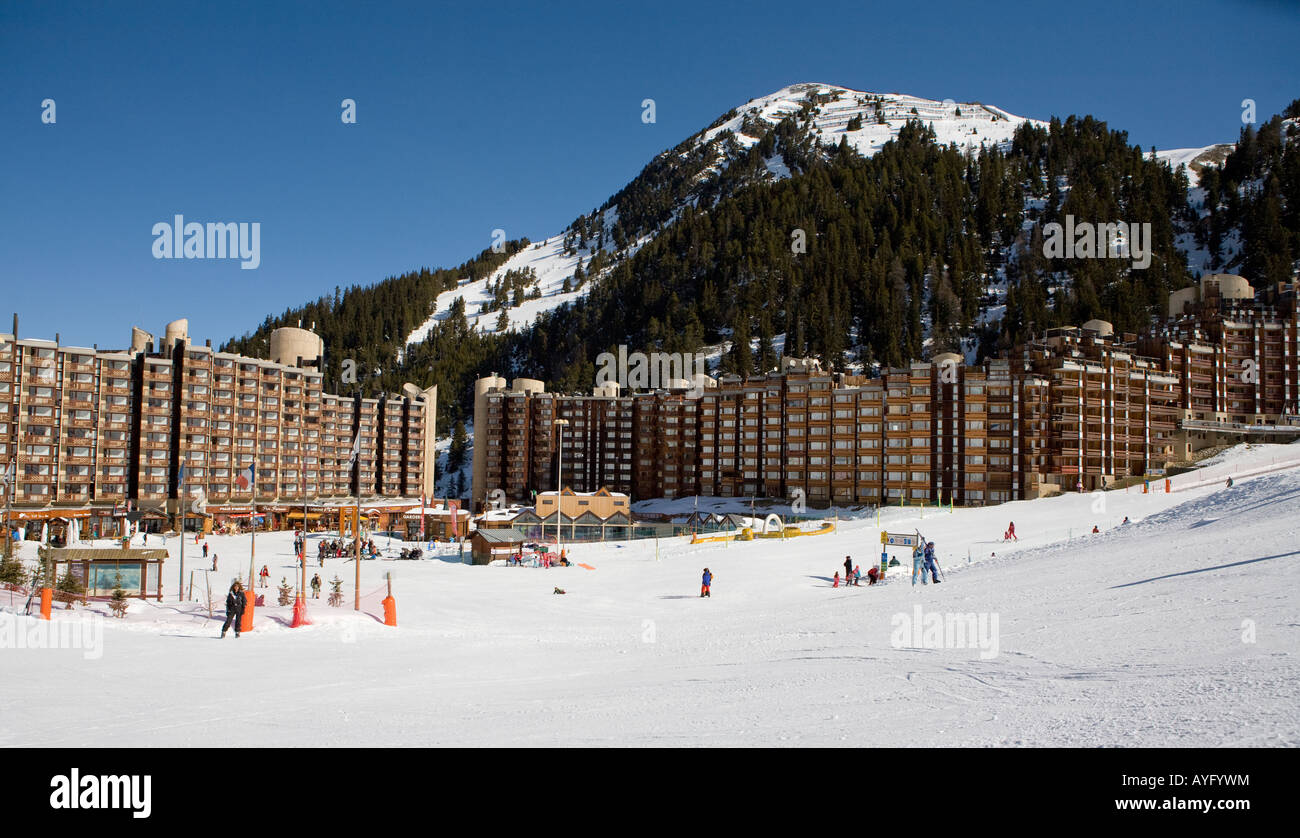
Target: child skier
{"type": "Point", "coordinates": [836, 582]}
{"type": "Point", "coordinates": [706, 582]}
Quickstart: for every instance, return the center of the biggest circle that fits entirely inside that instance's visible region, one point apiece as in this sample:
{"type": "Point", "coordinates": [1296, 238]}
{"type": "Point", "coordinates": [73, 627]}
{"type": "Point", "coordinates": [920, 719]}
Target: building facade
{"type": "Point", "coordinates": [1076, 408]}
{"type": "Point", "coordinates": [86, 430]}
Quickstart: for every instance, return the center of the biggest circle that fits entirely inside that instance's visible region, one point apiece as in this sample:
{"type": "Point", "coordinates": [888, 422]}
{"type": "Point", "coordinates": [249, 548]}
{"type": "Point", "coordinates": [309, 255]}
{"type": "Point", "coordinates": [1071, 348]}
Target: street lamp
{"type": "Point", "coordinates": [559, 483]}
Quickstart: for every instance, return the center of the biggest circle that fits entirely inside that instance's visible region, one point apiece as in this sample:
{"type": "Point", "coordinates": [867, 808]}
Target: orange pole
{"type": "Point", "coordinates": [390, 605]}
{"type": "Point", "coordinates": [47, 600]}
{"type": "Point", "coordinates": [246, 619]}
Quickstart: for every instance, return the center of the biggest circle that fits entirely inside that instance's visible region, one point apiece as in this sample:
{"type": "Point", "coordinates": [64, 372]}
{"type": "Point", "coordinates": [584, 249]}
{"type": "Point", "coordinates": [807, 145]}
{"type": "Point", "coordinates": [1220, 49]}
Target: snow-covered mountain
{"type": "Point", "coordinates": [824, 112]}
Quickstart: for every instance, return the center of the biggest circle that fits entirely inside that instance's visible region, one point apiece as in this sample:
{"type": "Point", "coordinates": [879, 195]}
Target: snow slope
{"type": "Point", "coordinates": [1177, 629]}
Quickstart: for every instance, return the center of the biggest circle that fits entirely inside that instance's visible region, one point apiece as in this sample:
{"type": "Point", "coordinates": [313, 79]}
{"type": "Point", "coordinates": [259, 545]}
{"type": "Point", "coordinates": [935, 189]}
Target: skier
{"type": "Point", "coordinates": [315, 586]}
{"type": "Point", "coordinates": [264, 573]}
{"type": "Point", "coordinates": [706, 582]}
{"type": "Point", "coordinates": [234, 608]}
{"type": "Point", "coordinates": [1011, 532]}
{"type": "Point", "coordinates": [836, 582]}
{"type": "Point", "coordinates": [848, 569]}
{"type": "Point", "coordinates": [1095, 530]}
{"type": "Point", "coordinates": [214, 561]}
{"type": "Point", "coordinates": [918, 558]}
{"type": "Point", "coordinates": [205, 549]}
{"type": "Point", "coordinates": [873, 575]}
{"type": "Point", "coordinates": [930, 564]}
{"type": "Point", "coordinates": [1229, 482]}
{"type": "Point", "coordinates": [857, 576]}
{"type": "Point", "coordinates": [1125, 521]}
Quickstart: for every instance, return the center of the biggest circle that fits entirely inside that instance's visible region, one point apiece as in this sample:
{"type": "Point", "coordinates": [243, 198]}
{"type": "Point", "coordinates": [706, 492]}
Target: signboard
{"type": "Point", "coordinates": [891, 539]}
{"type": "Point", "coordinates": [1155, 472]}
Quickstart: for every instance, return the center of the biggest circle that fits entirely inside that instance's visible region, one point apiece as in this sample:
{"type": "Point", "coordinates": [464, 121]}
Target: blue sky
{"type": "Point", "coordinates": [472, 117]}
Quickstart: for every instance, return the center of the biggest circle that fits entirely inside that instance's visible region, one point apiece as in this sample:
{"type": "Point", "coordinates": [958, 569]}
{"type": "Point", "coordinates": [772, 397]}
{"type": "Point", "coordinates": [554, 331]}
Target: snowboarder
{"type": "Point", "coordinates": [315, 586]}
{"type": "Point", "coordinates": [706, 582]}
{"type": "Point", "coordinates": [234, 608]}
{"type": "Point", "coordinates": [930, 564]}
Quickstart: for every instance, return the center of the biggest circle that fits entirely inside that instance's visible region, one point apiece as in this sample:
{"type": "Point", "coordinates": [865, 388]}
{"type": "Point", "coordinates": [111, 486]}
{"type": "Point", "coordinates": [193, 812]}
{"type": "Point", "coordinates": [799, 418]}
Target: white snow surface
{"type": "Point", "coordinates": [1177, 629]}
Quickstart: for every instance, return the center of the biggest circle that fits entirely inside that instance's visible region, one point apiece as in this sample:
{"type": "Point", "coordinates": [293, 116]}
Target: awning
{"type": "Point", "coordinates": [311, 516]}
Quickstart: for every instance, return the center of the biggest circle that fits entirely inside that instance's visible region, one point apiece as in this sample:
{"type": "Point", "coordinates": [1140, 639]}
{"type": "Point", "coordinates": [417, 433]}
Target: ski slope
{"type": "Point", "coordinates": [1177, 629]}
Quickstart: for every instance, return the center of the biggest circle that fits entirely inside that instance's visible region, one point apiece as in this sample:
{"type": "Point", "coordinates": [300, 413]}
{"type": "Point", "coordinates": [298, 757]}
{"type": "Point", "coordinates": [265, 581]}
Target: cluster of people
{"type": "Point", "coordinates": [853, 574]}
{"type": "Point", "coordinates": [337, 548]}
{"type": "Point", "coordinates": [544, 559]}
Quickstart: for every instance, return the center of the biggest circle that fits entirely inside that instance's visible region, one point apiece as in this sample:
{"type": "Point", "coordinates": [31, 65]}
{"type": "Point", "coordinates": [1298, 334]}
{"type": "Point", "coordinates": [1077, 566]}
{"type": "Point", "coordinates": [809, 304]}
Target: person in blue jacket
{"type": "Point", "coordinates": [705, 582]}
{"type": "Point", "coordinates": [930, 564]}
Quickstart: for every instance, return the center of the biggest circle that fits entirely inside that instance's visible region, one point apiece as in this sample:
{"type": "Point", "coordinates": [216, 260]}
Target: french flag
{"type": "Point", "coordinates": [244, 480]}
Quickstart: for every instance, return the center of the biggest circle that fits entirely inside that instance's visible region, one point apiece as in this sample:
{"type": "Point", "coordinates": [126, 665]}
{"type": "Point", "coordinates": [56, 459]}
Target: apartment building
{"type": "Point", "coordinates": [88, 430]}
{"type": "Point", "coordinates": [1074, 409]}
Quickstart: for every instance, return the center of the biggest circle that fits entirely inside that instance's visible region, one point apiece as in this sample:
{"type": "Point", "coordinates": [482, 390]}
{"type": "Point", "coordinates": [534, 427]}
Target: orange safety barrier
{"type": "Point", "coordinates": [1166, 485]}
{"type": "Point", "coordinates": [390, 611]}
{"type": "Point", "coordinates": [47, 600]}
{"type": "Point", "coordinates": [246, 619]}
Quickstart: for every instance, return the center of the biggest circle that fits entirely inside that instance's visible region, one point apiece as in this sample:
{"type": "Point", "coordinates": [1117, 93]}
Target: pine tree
{"type": "Point", "coordinates": [12, 571]}
{"type": "Point", "coordinates": [336, 591]}
{"type": "Point", "coordinates": [286, 591]}
{"type": "Point", "coordinates": [459, 443]}
{"type": "Point", "coordinates": [120, 601]}
{"type": "Point", "coordinates": [69, 587]}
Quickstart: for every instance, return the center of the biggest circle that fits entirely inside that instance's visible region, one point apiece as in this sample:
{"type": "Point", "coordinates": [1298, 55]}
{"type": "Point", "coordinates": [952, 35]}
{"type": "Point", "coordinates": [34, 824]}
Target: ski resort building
{"type": "Point", "coordinates": [1074, 409]}
{"type": "Point", "coordinates": [165, 423]}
